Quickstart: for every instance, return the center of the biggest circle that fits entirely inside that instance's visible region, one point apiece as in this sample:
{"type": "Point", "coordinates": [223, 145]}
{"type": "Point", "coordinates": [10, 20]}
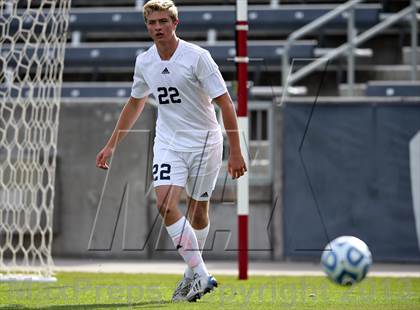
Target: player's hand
{"type": "Point", "coordinates": [103, 156]}
{"type": "Point", "coordinates": [236, 165]}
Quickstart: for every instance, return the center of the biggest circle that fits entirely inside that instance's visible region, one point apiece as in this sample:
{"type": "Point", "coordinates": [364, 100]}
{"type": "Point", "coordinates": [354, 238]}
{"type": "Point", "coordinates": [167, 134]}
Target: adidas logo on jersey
{"type": "Point", "coordinates": [205, 195]}
{"type": "Point", "coordinates": [165, 71]}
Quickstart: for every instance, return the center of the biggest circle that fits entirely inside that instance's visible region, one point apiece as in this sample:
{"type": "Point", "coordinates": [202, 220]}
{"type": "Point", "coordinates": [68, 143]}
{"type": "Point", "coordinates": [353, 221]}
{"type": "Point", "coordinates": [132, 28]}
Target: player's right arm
{"type": "Point", "coordinates": [128, 117]}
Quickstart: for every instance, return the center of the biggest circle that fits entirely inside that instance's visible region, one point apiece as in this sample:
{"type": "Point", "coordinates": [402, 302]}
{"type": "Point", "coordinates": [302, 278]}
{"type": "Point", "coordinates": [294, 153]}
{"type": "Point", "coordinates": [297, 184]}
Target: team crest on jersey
{"type": "Point", "coordinates": [165, 71]}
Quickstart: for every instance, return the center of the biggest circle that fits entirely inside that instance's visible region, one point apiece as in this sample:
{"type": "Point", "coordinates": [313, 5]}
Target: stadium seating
{"type": "Point", "coordinates": [114, 3]}
{"type": "Point", "coordinates": [122, 55]}
{"type": "Point", "coordinates": [95, 90]}
{"type": "Point", "coordinates": [123, 89]}
{"type": "Point", "coordinates": [101, 90]}
{"type": "Point", "coordinates": [220, 18]}
{"type": "Point", "coordinates": [393, 88]}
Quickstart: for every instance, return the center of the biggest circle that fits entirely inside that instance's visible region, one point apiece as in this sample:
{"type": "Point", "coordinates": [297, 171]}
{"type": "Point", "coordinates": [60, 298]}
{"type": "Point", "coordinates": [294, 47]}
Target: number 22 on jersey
{"type": "Point", "coordinates": [168, 95]}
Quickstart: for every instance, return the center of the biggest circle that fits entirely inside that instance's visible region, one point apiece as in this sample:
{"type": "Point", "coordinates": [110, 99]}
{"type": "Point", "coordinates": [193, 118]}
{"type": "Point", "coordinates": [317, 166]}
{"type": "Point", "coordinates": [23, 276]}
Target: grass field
{"type": "Point", "coordinates": [151, 291]}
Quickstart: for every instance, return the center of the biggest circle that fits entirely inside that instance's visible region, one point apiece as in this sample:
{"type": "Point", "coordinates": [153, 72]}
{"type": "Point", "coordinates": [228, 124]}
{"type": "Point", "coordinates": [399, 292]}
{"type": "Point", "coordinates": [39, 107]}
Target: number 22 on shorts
{"type": "Point", "coordinates": [163, 173]}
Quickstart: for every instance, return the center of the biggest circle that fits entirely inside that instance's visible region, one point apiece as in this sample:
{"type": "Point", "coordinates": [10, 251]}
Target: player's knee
{"type": "Point", "coordinates": [164, 208]}
{"type": "Point", "coordinates": [165, 212]}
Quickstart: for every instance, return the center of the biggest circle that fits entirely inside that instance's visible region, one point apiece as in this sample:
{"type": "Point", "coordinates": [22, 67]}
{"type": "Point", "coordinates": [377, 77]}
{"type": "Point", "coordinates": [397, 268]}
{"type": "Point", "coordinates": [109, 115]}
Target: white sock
{"type": "Point", "coordinates": [201, 235]}
{"type": "Point", "coordinates": [201, 269]}
{"type": "Point", "coordinates": [184, 239]}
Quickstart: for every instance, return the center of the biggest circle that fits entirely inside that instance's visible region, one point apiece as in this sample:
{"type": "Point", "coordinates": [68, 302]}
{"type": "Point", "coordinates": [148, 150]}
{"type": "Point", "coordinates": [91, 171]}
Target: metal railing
{"type": "Point", "coordinates": [353, 40]}
{"type": "Point", "coordinates": [261, 135]}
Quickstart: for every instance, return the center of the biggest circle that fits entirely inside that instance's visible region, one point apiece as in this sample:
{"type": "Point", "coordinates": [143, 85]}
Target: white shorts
{"type": "Point", "coordinates": [195, 171]}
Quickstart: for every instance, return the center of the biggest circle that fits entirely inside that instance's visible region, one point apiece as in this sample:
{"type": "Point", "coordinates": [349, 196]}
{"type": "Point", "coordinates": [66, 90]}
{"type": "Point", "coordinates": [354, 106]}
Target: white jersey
{"type": "Point", "coordinates": [183, 87]}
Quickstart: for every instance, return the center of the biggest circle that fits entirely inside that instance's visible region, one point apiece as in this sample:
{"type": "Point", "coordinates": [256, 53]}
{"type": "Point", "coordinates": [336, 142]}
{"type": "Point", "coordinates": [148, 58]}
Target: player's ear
{"type": "Point", "coordinates": [176, 22]}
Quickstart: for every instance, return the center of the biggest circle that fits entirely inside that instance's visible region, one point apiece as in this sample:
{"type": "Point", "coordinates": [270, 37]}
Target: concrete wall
{"type": "Point", "coordinates": [84, 193]}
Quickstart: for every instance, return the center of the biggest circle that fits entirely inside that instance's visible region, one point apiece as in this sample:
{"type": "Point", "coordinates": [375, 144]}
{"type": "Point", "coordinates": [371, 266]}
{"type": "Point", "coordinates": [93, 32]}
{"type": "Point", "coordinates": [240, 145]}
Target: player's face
{"type": "Point", "coordinates": [161, 26]}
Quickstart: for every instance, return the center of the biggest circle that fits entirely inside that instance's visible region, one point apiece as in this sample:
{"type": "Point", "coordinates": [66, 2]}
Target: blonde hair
{"type": "Point", "coordinates": [160, 6]}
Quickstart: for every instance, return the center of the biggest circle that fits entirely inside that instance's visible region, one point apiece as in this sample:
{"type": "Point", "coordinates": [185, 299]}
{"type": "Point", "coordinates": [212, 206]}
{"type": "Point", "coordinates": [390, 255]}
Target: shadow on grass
{"type": "Point", "coordinates": [148, 304]}
{"type": "Point", "coordinates": [31, 289]}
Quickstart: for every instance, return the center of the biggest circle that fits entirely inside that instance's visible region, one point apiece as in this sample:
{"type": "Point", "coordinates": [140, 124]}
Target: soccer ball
{"type": "Point", "coordinates": [346, 260]}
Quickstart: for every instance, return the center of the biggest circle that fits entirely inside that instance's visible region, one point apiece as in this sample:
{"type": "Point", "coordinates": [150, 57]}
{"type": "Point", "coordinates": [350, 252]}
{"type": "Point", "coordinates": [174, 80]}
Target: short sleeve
{"type": "Point", "coordinates": [209, 75]}
{"type": "Point", "coordinates": [139, 89]}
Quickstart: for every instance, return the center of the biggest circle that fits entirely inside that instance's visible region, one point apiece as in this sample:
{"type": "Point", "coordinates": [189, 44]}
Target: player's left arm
{"type": "Point", "coordinates": [236, 163]}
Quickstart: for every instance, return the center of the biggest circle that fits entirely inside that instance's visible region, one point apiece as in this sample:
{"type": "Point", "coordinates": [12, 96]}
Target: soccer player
{"type": "Point", "coordinates": [183, 78]}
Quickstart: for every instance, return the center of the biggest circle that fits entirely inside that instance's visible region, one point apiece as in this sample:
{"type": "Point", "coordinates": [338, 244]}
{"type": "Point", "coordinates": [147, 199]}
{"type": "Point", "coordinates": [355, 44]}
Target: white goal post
{"type": "Point", "coordinates": [32, 43]}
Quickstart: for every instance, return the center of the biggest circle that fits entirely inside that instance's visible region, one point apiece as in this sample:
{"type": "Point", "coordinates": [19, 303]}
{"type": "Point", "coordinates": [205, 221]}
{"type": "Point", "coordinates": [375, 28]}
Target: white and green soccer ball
{"type": "Point", "coordinates": [346, 260]}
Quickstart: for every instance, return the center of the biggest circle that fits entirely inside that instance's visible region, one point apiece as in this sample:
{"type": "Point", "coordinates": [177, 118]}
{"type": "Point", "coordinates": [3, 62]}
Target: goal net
{"type": "Point", "coordinates": [32, 43]}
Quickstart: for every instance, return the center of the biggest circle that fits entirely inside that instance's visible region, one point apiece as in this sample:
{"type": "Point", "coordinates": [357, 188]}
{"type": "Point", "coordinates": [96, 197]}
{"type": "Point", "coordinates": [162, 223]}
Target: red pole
{"type": "Point", "coordinates": [241, 60]}
{"type": "Point", "coordinates": [242, 66]}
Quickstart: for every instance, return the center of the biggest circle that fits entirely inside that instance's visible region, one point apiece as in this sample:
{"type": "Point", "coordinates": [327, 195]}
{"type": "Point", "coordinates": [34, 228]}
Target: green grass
{"type": "Point", "coordinates": [151, 291]}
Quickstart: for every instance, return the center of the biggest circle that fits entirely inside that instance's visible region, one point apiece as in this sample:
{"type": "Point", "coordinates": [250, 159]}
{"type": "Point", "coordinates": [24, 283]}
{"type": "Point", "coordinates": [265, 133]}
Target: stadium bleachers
{"type": "Point", "coordinates": [105, 37]}
{"type": "Point", "coordinates": [393, 88]}
{"type": "Point", "coordinates": [123, 89]}
{"type": "Point", "coordinates": [87, 3]}
{"type": "Point", "coordinates": [114, 3]}
{"type": "Point", "coordinates": [109, 55]}
{"type": "Point", "coordinates": [262, 19]}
